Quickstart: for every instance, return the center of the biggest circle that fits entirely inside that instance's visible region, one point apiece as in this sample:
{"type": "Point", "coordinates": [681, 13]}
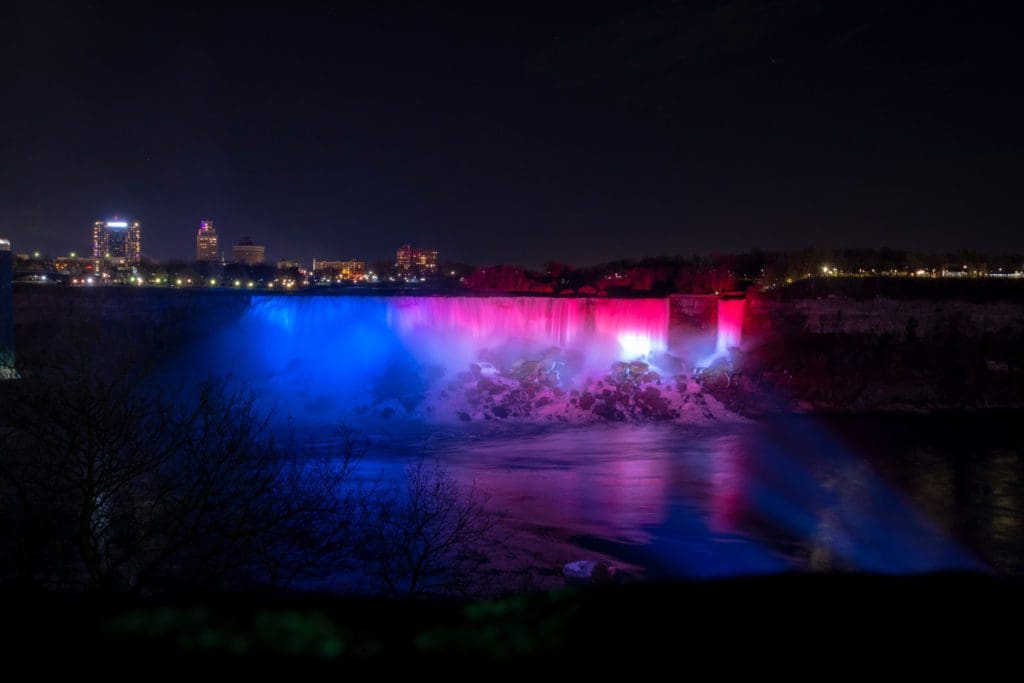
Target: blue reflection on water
{"type": "Point", "coordinates": [673, 502]}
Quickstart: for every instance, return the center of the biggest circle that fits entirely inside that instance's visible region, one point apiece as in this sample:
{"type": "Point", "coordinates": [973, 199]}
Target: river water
{"type": "Point", "coordinates": [891, 495]}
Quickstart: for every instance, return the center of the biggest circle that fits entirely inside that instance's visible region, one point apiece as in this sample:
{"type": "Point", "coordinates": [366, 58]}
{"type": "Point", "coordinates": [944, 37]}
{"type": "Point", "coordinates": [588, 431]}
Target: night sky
{"type": "Point", "coordinates": [513, 132]}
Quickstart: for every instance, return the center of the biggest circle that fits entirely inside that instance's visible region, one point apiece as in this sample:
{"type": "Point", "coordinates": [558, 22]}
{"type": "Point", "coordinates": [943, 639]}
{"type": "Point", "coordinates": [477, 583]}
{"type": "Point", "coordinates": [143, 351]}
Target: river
{"type": "Point", "coordinates": [804, 494]}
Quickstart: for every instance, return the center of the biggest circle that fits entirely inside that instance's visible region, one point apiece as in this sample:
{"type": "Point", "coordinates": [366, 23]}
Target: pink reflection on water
{"type": "Point", "coordinates": [728, 486]}
{"type": "Point", "coordinates": [615, 485]}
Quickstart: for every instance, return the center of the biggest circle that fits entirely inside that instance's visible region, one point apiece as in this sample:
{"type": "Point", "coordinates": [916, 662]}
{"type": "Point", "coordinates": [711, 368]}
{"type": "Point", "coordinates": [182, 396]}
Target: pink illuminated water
{"type": "Point", "coordinates": [730, 324]}
{"type": "Point", "coordinates": [320, 357]}
{"type": "Point", "coordinates": [603, 330]}
{"type": "Point", "coordinates": [669, 501]}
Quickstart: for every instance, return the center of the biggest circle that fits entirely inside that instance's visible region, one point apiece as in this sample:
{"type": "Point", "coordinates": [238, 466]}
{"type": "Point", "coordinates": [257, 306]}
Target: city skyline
{"type": "Point", "coordinates": [207, 245]}
{"type": "Point", "coordinates": [519, 136]}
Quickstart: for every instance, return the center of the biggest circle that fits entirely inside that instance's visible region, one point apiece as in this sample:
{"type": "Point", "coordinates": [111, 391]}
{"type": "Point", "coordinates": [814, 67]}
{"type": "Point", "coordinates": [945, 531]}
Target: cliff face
{"type": "Point", "coordinates": [842, 354]}
{"type": "Point", "coordinates": [899, 318]}
{"type": "Point", "coordinates": [831, 353]}
{"type": "Point", "coordinates": [44, 305]}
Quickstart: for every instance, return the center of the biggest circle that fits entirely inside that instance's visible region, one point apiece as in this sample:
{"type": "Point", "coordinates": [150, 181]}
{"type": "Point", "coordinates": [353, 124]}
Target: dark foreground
{"type": "Point", "coordinates": [757, 623]}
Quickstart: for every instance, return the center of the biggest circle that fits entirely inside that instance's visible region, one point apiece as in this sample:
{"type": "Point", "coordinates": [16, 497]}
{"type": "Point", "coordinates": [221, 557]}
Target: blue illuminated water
{"type": "Point", "coordinates": [333, 358]}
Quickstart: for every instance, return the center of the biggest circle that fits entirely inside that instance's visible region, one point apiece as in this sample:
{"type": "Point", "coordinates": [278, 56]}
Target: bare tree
{"type": "Point", "coordinates": [113, 480]}
{"type": "Point", "coordinates": [426, 536]}
{"type": "Point", "coordinates": [108, 481]}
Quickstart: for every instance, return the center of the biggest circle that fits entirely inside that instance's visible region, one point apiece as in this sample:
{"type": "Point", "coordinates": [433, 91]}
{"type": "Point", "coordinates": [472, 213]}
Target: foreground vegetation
{"type": "Point", "coordinates": [778, 621]}
{"type": "Point", "coordinates": [115, 479]}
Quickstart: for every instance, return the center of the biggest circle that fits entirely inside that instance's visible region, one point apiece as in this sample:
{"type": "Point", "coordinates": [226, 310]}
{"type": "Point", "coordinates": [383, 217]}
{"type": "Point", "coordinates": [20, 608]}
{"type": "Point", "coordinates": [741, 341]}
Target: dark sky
{"type": "Point", "coordinates": [513, 132]}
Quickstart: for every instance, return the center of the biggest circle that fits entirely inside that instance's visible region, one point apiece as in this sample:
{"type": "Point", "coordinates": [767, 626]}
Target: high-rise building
{"type": "Point", "coordinates": [117, 240]}
{"type": "Point", "coordinates": [349, 270]}
{"type": "Point", "coordinates": [206, 242]}
{"type": "Point", "coordinates": [425, 259]}
{"type": "Point", "coordinates": [247, 252]}
{"type": "Point", "coordinates": [403, 258]}
{"type": "Point", "coordinates": [6, 312]}
{"type": "Point", "coordinates": [407, 258]}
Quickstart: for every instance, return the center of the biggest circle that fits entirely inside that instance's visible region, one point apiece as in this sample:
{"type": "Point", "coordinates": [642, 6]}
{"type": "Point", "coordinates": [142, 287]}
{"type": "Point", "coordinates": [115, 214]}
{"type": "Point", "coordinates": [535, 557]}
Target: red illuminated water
{"type": "Point", "coordinates": [730, 324]}
{"type": "Point", "coordinates": [612, 329]}
{"type": "Point", "coordinates": [322, 357]}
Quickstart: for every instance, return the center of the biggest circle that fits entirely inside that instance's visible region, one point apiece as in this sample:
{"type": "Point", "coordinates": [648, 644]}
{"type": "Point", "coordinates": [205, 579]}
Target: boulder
{"type": "Point", "coordinates": [638, 367]}
{"type": "Point", "coordinates": [490, 386]}
{"type": "Point", "coordinates": [482, 369]}
{"type": "Point", "coordinates": [524, 369]}
{"type": "Point", "coordinates": [609, 412]}
{"type": "Point", "coordinates": [589, 572]}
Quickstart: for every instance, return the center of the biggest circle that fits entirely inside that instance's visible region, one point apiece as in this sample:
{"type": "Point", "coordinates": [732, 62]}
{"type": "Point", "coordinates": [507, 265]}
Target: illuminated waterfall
{"type": "Point", "coordinates": [605, 329]}
{"type": "Point", "coordinates": [729, 330]}
{"type": "Point", "coordinates": [326, 355]}
{"type": "Point", "coordinates": [323, 356]}
{"type": "Point", "coordinates": [730, 324]}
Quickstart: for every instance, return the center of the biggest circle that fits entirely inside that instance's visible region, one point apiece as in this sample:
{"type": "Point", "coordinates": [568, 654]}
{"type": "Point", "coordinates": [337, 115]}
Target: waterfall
{"type": "Point", "coordinates": [730, 324]}
{"type": "Point", "coordinates": [325, 355]}
{"type": "Point", "coordinates": [621, 329]}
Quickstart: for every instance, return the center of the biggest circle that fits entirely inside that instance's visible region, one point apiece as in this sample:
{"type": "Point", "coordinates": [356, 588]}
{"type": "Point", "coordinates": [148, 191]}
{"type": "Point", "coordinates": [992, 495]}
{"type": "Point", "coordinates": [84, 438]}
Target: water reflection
{"type": "Point", "coordinates": [780, 496]}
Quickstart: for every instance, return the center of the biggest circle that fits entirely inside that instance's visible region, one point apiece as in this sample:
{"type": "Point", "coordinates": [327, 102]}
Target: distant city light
{"type": "Point", "coordinates": [35, 254]}
{"type": "Point", "coordinates": [178, 281]}
{"type": "Point", "coordinates": [238, 283]}
{"type": "Point", "coordinates": [117, 224]}
{"type": "Point", "coordinates": [72, 254]}
{"type": "Point", "coordinates": [213, 281]}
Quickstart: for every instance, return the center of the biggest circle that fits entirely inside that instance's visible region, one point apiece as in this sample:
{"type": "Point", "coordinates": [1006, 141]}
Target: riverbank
{"type": "Point", "coordinates": [770, 620]}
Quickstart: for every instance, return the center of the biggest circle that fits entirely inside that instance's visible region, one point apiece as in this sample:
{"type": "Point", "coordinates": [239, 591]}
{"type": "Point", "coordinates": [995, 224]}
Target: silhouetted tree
{"type": "Point", "coordinates": [109, 482]}
{"type": "Point", "coordinates": [427, 537]}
